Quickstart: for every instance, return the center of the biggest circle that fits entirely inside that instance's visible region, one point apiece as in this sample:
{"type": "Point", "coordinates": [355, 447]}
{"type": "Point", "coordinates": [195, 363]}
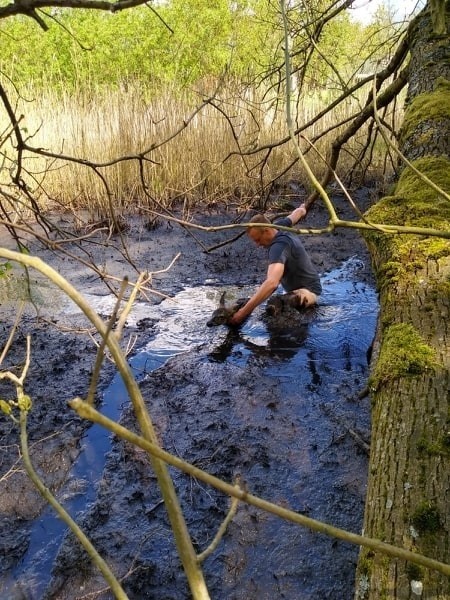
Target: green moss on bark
{"type": "Point", "coordinates": [426, 518]}
{"type": "Point", "coordinates": [439, 447]}
{"type": "Point", "coordinates": [414, 204]}
{"type": "Point", "coordinates": [427, 106]}
{"type": "Point", "coordinates": [402, 353]}
{"type": "Point", "coordinates": [413, 571]}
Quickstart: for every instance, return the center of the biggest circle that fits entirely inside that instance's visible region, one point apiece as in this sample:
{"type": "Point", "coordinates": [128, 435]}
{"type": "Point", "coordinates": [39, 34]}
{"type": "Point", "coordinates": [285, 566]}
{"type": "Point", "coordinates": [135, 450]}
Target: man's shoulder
{"type": "Point", "coordinates": [281, 245]}
{"type": "Point", "coordinates": [283, 237]}
{"type": "Point", "coordinates": [285, 221]}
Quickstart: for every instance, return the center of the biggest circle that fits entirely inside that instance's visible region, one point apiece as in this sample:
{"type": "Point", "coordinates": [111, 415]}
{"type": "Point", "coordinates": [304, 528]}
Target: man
{"type": "Point", "coordinates": [289, 264]}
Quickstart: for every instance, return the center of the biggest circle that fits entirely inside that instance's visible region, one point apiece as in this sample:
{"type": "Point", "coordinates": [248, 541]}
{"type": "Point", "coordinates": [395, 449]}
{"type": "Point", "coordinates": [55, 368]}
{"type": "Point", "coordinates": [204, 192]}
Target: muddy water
{"type": "Point", "coordinates": [298, 451]}
{"type": "Point", "coordinates": [313, 464]}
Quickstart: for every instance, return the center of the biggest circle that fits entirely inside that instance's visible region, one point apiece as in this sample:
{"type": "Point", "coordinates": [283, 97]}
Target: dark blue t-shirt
{"type": "Point", "coordinates": [299, 272]}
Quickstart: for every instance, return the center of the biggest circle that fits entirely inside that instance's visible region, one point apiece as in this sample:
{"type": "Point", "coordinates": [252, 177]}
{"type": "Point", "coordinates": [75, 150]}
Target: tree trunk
{"type": "Point", "coordinates": [408, 496]}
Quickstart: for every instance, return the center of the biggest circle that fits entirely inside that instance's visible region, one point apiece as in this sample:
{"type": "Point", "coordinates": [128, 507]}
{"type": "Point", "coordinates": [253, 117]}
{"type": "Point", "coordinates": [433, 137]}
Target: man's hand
{"type": "Point", "coordinates": [238, 317]}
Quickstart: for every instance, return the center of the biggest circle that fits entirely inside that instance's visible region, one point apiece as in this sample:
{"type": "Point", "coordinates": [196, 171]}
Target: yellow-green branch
{"type": "Point", "coordinates": [388, 229]}
{"type": "Point", "coordinates": [88, 412]}
{"type": "Point", "coordinates": [183, 540]}
{"type": "Point", "coordinates": [98, 561]}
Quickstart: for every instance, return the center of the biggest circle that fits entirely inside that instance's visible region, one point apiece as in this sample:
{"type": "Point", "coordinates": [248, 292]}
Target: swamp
{"type": "Point", "coordinates": [277, 407]}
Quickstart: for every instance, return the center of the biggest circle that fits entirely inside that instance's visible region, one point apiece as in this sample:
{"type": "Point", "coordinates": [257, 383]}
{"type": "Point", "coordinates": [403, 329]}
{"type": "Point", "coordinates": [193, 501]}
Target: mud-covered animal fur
{"type": "Point", "coordinates": [276, 305]}
{"type": "Point", "coordinates": [224, 312]}
{"type": "Point", "coordinates": [287, 322]}
{"type": "Point", "coordinates": [280, 303]}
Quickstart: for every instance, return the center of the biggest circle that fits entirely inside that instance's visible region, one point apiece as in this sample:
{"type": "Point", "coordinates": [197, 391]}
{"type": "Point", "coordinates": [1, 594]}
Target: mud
{"type": "Point", "coordinates": [277, 407]}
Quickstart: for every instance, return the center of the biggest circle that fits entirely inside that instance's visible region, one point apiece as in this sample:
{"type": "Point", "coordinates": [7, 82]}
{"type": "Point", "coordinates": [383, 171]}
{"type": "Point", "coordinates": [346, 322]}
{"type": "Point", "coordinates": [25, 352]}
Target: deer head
{"type": "Point", "coordinates": [224, 312]}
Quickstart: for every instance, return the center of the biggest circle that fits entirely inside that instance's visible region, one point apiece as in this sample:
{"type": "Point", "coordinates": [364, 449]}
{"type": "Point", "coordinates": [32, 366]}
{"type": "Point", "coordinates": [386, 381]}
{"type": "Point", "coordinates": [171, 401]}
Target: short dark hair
{"type": "Point", "coordinates": [260, 218]}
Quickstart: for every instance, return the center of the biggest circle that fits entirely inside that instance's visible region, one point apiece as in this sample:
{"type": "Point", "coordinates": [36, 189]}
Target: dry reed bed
{"type": "Point", "coordinates": [210, 159]}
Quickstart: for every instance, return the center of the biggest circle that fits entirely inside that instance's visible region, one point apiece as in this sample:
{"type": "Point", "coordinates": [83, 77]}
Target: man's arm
{"type": "Point", "coordinates": [266, 289]}
{"type": "Point", "coordinates": [297, 214]}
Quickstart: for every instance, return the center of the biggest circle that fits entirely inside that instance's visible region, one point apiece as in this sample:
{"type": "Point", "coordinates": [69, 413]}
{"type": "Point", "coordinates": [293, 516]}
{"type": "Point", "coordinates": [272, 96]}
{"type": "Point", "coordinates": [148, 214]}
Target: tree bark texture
{"type": "Point", "coordinates": [408, 496]}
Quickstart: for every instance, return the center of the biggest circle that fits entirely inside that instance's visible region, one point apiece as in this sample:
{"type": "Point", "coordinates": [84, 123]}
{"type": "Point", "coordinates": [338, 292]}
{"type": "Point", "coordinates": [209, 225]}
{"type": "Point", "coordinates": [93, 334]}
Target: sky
{"type": "Point", "coordinates": [366, 8]}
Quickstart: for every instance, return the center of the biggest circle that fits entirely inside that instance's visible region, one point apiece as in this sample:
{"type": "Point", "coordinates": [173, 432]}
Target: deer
{"type": "Point", "coordinates": [224, 312]}
{"type": "Point", "coordinates": [280, 303]}
{"type": "Point", "coordinates": [275, 306]}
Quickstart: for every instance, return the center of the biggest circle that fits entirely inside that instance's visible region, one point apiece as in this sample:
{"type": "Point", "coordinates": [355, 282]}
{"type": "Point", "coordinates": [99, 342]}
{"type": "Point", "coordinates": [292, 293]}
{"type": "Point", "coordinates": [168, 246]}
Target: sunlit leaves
{"type": "Point", "coordinates": [5, 269]}
{"type": "Point", "coordinates": [5, 407]}
{"type": "Point", "coordinates": [24, 402]}
{"type": "Point", "coordinates": [186, 42]}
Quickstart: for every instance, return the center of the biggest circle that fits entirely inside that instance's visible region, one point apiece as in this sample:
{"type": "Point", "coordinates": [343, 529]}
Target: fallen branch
{"type": "Point", "coordinates": [88, 412]}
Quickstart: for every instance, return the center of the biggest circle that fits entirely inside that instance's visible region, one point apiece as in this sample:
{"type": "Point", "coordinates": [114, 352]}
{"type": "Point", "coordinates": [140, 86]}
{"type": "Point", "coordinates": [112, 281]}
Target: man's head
{"type": "Point", "coordinates": [262, 236]}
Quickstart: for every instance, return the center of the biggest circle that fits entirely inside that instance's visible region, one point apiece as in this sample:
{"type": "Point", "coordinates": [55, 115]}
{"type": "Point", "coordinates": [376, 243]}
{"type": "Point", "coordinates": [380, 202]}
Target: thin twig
{"type": "Point", "coordinates": [330, 227]}
{"type": "Point", "coordinates": [98, 561]}
{"type": "Point", "coordinates": [12, 332]}
{"type": "Point", "coordinates": [24, 405]}
{"type": "Point", "coordinates": [226, 242]}
{"type": "Point", "coordinates": [221, 531]}
{"type": "Point", "coordinates": [129, 305]}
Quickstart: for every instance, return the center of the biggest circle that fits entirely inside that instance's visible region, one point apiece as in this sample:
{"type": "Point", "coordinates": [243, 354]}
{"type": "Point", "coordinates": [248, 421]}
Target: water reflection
{"type": "Point", "coordinates": [269, 337]}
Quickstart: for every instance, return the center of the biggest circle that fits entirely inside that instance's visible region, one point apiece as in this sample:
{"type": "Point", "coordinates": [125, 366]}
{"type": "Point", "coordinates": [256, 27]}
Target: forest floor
{"type": "Point", "coordinates": [284, 417]}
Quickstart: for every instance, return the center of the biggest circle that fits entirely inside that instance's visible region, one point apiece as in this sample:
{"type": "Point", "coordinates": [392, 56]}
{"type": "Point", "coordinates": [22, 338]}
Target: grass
{"type": "Point", "coordinates": [210, 160]}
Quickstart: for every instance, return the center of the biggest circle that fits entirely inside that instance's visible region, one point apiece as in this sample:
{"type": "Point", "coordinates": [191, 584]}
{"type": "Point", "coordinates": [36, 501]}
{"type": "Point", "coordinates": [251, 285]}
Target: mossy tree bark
{"type": "Point", "coordinates": [408, 497]}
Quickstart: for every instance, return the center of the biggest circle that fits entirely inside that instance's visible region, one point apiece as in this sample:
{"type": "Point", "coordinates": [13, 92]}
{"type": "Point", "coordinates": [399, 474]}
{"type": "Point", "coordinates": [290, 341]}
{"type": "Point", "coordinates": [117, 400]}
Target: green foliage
{"type": "Point", "coordinates": [188, 42]}
{"type": "Point", "coordinates": [5, 269]}
{"type": "Point", "coordinates": [340, 44]}
{"type": "Point", "coordinates": [198, 45]}
{"type": "Point", "coordinates": [192, 40]}
{"type": "Point", "coordinates": [5, 407]}
{"type": "Point", "coordinates": [403, 353]}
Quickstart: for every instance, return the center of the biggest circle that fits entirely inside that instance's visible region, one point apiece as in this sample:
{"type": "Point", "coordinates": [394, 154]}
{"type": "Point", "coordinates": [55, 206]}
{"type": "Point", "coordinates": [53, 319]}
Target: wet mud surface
{"type": "Point", "coordinates": [274, 404]}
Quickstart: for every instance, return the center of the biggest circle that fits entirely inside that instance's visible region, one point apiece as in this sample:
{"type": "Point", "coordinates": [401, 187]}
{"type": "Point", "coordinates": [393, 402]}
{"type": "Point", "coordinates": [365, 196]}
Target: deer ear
{"type": "Point", "coordinates": [222, 299]}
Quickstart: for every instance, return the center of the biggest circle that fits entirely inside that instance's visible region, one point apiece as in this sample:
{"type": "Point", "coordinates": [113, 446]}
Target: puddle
{"type": "Point", "coordinates": [325, 350]}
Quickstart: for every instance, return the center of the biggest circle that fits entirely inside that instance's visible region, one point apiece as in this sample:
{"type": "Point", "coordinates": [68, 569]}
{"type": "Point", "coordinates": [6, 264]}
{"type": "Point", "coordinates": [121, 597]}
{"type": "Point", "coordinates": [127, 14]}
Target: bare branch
{"type": "Point", "coordinates": [387, 228]}
{"type": "Point", "coordinates": [221, 531]}
{"type": "Point", "coordinates": [384, 98]}
{"type": "Point", "coordinates": [98, 561]}
{"type": "Point", "coordinates": [423, 177]}
{"type": "Point", "coordinates": [7, 346]}
{"type": "Point", "coordinates": [101, 348]}
{"type": "Point", "coordinates": [28, 7]}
